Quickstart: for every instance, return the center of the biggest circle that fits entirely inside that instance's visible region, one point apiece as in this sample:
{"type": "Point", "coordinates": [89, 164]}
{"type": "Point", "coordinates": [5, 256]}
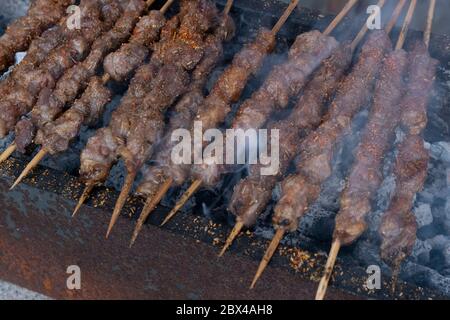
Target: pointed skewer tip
{"type": "Point", "coordinates": [150, 204]}
{"type": "Point", "coordinates": [323, 285]}
{"type": "Point", "coordinates": [233, 234]}
{"type": "Point", "coordinates": [8, 152]}
{"type": "Point", "coordinates": [31, 165]}
{"type": "Point", "coordinates": [186, 196]}
{"type": "Point", "coordinates": [126, 189]}
{"type": "Point", "coordinates": [86, 192]}
{"type": "Point", "coordinates": [268, 255]}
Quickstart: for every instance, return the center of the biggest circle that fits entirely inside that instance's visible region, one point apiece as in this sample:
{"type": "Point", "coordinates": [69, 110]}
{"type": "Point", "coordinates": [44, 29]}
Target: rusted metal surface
{"type": "Point", "coordinates": [39, 240]}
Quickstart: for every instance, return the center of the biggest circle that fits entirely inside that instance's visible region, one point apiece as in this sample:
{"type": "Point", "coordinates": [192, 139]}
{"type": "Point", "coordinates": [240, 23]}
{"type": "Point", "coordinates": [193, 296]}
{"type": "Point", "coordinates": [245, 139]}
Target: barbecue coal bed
{"type": "Point", "coordinates": [39, 240]}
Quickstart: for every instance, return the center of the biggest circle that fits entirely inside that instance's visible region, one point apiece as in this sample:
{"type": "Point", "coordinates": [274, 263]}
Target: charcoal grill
{"type": "Point", "coordinates": [39, 240]}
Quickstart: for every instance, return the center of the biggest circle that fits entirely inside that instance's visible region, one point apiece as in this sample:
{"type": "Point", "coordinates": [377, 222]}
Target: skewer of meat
{"type": "Point", "coordinates": [398, 225]}
{"type": "Point", "coordinates": [227, 90]}
{"type": "Point", "coordinates": [252, 194]}
{"type": "Point", "coordinates": [298, 191]}
{"type": "Point", "coordinates": [179, 51]}
{"type": "Point", "coordinates": [97, 157]}
{"type": "Point", "coordinates": [185, 110]}
{"type": "Point", "coordinates": [41, 15]}
{"type": "Point", "coordinates": [23, 94]}
{"type": "Point", "coordinates": [148, 124]}
{"type": "Point", "coordinates": [43, 115]}
{"type": "Point", "coordinates": [366, 173]}
{"type": "Point", "coordinates": [285, 81]}
{"type": "Point", "coordinates": [51, 102]}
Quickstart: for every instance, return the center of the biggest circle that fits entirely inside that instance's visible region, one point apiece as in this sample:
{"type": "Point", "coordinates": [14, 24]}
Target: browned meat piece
{"type": "Point", "coordinates": [58, 61]}
{"type": "Point", "coordinates": [284, 82]}
{"type": "Point", "coordinates": [252, 194]}
{"type": "Point", "coordinates": [41, 15]}
{"type": "Point", "coordinates": [120, 64]}
{"type": "Point", "coordinates": [246, 63]}
{"type": "Point", "coordinates": [215, 106]}
{"type": "Point", "coordinates": [100, 151]}
{"type": "Point", "coordinates": [314, 165]}
{"type": "Point", "coordinates": [52, 102]}
{"type": "Point", "coordinates": [136, 130]}
{"type": "Point", "coordinates": [366, 174]}
{"type": "Point", "coordinates": [184, 113]}
{"type": "Point", "coordinates": [56, 136]}
{"type": "Point", "coordinates": [398, 226]}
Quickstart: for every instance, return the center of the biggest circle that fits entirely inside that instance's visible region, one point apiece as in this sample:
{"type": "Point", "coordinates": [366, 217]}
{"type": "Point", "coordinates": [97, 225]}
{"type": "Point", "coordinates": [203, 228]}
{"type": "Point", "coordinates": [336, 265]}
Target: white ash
{"type": "Point", "coordinates": [441, 151]}
{"type": "Point", "coordinates": [423, 215]}
{"type": "Point", "coordinates": [426, 277]}
{"type": "Point", "coordinates": [421, 252]}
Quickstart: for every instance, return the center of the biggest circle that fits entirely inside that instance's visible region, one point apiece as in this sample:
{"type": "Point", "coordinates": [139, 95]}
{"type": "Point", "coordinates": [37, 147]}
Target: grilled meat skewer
{"type": "Point", "coordinates": [313, 167]}
{"type": "Point", "coordinates": [252, 194]}
{"type": "Point", "coordinates": [398, 226]}
{"type": "Point", "coordinates": [185, 110]}
{"type": "Point", "coordinates": [285, 81]}
{"type": "Point", "coordinates": [23, 95]}
{"type": "Point", "coordinates": [226, 90]}
{"type": "Point", "coordinates": [366, 173]}
{"type": "Point", "coordinates": [52, 102]}
{"type": "Point", "coordinates": [41, 15]}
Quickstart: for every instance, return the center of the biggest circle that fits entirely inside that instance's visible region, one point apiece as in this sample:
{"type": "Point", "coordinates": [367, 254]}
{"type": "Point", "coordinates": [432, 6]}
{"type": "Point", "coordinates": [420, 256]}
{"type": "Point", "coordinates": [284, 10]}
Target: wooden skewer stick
{"type": "Point", "coordinates": [406, 23]}
{"type": "Point", "coordinates": [348, 6]}
{"type": "Point", "coordinates": [364, 29]}
{"type": "Point", "coordinates": [237, 228]}
{"type": "Point", "coordinates": [285, 16]}
{"type": "Point", "coordinates": [39, 156]}
{"type": "Point", "coordinates": [186, 196]}
{"type": "Point", "coordinates": [150, 205]}
{"type": "Point", "coordinates": [228, 7]}
{"type": "Point", "coordinates": [427, 33]}
{"type": "Point", "coordinates": [233, 234]}
{"type": "Point", "coordinates": [323, 285]}
{"type": "Point", "coordinates": [129, 180]}
{"type": "Point", "coordinates": [268, 255]}
{"type": "Point", "coordinates": [84, 196]}
{"type": "Point", "coordinates": [395, 16]}
{"type": "Point", "coordinates": [8, 152]}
